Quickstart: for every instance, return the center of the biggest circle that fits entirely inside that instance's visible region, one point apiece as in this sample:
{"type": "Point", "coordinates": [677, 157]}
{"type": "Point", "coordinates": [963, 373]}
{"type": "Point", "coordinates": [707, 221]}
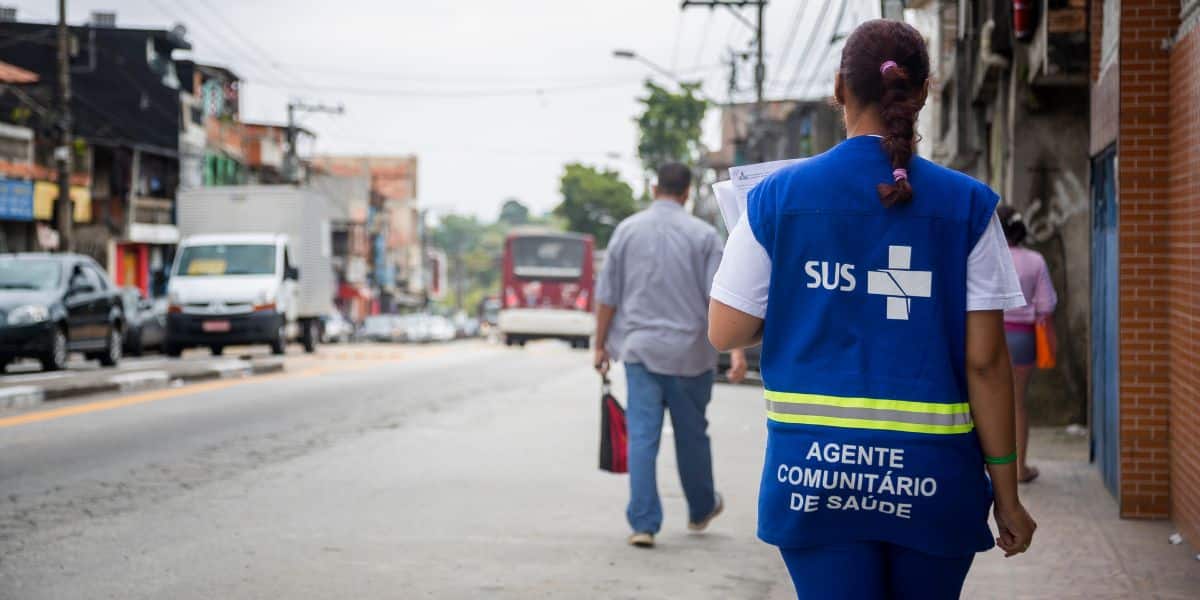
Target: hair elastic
{"type": "Point", "coordinates": [899, 174]}
{"type": "Point", "coordinates": [889, 64]}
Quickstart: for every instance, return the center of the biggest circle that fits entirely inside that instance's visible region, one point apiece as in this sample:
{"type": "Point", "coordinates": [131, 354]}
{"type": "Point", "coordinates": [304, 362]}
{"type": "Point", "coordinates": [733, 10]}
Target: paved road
{"type": "Point", "coordinates": [458, 471]}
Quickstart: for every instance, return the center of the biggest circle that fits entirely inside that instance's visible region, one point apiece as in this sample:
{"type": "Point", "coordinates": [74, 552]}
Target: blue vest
{"type": "Point", "coordinates": [863, 359]}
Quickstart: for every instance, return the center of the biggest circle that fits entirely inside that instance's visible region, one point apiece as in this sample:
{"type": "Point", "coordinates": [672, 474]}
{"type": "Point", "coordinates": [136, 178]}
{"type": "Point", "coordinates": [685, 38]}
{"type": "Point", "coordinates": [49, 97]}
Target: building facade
{"type": "Point", "coordinates": [126, 122]}
{"type": "Point", "coordinates": [393, 225]}
{"type": "Point", "coordinates": [1087, 124]}
{"type": "Point", "coordinates": [1010, 108]}
{"type": "Point", "coordinates": [1145, 118]}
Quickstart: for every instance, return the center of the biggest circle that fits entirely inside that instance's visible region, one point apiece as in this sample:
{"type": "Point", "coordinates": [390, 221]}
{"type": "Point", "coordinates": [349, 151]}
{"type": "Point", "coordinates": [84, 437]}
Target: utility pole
{"type": "Point", "coordinates": [291, 162]}
{"type": "Point", "coordinates": [760, 67]}
{"type": "Point", "coordinates": [62, 154]}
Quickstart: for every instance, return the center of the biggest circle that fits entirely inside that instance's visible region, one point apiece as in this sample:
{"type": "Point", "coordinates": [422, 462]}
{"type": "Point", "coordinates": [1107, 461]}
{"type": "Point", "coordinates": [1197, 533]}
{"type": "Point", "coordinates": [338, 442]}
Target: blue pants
{"type": "Point", "coordinates": [686, 397]}
{"type": "Point", "coordinates": [874, 571]}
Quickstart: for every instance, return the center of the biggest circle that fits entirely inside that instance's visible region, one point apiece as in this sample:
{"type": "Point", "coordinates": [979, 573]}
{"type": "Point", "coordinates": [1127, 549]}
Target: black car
{"type": "Point", "coordinates": [54, 304]}
{"type": "Point", "coordinates": [145, 322]}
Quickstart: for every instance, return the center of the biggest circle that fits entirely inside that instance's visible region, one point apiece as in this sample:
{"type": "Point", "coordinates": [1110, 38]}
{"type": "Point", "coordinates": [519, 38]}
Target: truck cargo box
{"type": "Point", "coordinates": [300, 214]}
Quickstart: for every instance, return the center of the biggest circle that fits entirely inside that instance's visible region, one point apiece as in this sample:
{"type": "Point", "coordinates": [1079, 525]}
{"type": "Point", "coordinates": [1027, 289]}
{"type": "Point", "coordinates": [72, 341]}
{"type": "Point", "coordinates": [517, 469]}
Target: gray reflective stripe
{"type": "Point", "coordinates": [868, 414]}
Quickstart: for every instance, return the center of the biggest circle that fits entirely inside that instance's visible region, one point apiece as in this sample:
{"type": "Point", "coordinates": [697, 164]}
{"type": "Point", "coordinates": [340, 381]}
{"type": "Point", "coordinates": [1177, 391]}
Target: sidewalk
{"type": "Point", "coordinates": [1082, 549]}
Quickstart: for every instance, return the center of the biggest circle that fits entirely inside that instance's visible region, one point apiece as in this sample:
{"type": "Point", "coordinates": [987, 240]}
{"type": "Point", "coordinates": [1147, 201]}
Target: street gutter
{"type": "Point", "coordinates": [29, 396]}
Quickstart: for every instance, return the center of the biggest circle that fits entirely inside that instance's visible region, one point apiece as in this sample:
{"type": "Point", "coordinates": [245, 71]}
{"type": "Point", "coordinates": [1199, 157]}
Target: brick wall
{"type": "Point", "coordinates": [1143, 192]}
{"type": "Point", "coordinates": [1184, 299]}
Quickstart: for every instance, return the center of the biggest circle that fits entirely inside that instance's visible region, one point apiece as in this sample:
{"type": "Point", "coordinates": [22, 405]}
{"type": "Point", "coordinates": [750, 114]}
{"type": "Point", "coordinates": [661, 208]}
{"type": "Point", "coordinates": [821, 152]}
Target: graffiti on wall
{"type": "Point", "coordinates": [1068, 197]}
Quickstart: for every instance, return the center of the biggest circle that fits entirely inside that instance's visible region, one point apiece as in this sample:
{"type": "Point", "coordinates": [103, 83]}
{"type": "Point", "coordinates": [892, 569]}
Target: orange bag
{"type": "Point", "coordinates": [1045, 346]}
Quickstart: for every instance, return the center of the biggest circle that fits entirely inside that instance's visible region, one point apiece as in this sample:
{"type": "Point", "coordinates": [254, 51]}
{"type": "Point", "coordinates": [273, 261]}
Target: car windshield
{"type": "Point", "coordinates": [227, 259]}
{"type": "Point", "coordinates": [29, 274]}
{"type": "Point", "coordinates": [547, 257]}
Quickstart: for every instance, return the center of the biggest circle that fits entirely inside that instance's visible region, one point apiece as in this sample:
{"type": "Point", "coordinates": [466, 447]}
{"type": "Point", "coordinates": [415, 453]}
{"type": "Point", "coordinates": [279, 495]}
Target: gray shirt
{"type": "Point", "coordinates": [658, 271]}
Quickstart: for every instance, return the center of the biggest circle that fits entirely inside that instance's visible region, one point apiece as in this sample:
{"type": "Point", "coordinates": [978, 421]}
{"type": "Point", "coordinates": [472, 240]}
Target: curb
{"type": "Point", "coordinates": [29, 396]}
{"type": "Point", "coordinates": [21, 396]}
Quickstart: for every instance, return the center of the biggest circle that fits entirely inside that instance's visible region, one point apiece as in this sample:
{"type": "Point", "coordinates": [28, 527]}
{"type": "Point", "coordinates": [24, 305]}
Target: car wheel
{"type": "Point", "coordinates": [172, 350]}
{"type": "Point", "coordinates": [55, 357]}
{"type": "Point", "coordinates": [112, 352]}
{"type": "Point", "coordinates": [279, 344]}
{"type": "Point", "coordinates": [217, 350]}
{"type": "Point", "coordinates": [311, 333]}
{"type": "Point", "coordinates": [136, 345]}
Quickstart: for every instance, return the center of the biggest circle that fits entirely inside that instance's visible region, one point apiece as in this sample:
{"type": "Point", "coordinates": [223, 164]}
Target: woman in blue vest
{"type": "Point", "coordinates": [876, 282]}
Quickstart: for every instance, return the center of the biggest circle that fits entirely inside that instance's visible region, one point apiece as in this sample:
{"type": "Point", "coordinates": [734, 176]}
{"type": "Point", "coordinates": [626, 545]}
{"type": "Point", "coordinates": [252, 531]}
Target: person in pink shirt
{"type": "Point", "coordinates": [1020, 325]}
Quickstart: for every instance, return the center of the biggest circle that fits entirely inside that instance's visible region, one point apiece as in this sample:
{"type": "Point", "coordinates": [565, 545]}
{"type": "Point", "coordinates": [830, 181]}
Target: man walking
{"type": "Point", "coordinates": [653, 297]}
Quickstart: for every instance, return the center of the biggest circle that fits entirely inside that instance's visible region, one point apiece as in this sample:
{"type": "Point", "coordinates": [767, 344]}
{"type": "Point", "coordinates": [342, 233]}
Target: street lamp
{"type": "Point", "coordinates": [626, 54]}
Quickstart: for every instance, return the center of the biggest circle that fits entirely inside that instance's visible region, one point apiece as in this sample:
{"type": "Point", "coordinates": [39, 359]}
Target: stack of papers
{"type": "Point", "coordinates": [732, 193]}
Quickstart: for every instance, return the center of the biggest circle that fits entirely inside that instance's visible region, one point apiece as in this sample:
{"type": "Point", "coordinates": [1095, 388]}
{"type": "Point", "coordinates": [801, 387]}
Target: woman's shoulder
{"type": "Point", "coordinates": [926, 169]}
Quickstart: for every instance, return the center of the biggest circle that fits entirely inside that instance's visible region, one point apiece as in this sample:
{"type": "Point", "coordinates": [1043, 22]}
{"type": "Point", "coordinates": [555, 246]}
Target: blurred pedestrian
{"type": "Point", "coordinates": [1020, 326]}
{"type": "Point", "coordinates": [877, 282]}
{"type": "Point", "coordinates": [653, 300]}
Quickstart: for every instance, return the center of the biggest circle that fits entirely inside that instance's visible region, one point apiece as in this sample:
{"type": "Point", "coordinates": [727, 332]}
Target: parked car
{"type": "Point", "coordinates": [465, 326]}
{"type": "Point", "coordinates": [55, 304]}
{"type": "Point", "coordinates": [441, 329]}
{"type": "Point", "coordinates": [383, 328]}
{"type": "Point", "coordinates": [145, 322]}
{"type": "Point", "coordinates": [414, 328]}
{"type": "Point", "coordinates": [336, 328]}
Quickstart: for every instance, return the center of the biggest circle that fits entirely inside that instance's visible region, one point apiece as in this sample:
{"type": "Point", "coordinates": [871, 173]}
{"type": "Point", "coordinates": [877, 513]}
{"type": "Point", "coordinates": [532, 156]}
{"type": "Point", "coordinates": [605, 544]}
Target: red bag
{"type": "Point", "coordinates": [614, 437]}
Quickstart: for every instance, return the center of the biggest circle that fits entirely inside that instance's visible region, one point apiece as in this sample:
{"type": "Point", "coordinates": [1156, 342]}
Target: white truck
{"type": "Point", "coordinates": [254, 267]}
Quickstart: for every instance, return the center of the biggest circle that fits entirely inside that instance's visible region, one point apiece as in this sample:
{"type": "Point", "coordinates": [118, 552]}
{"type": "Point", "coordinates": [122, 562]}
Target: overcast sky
{"type": "Point", "coordinates": [493, 96]}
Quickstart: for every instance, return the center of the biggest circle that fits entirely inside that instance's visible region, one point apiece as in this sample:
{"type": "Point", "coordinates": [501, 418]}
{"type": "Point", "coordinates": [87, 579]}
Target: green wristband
{"type": "Point", "coordinates": [1001, 460]}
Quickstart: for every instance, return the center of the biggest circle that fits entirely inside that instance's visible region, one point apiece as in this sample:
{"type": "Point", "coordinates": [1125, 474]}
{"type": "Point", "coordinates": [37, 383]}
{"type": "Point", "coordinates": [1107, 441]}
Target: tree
{"type": "Point", "coordinates": [457, 235]}
{"type": "Point", "coordinates": [594, 201]}
{"type": "Point", "coordinates": [513, 212]}
{"type": "Point", "coordinates": [670, 126]}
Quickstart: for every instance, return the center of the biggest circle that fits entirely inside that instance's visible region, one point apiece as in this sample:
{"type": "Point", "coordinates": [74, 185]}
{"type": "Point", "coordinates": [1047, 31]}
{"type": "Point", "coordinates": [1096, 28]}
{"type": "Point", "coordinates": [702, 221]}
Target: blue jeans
{"type": "Point", "coordinates": [874, 571]}
{"type": "Point", "coordinates": [687, 398]}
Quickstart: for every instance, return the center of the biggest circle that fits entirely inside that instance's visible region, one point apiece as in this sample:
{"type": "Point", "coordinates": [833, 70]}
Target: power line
{"type": "Point", "coordinates": [808, 47]}
{"type": "Point", "coordinates": [675, 46]}
{"type": "Point", "coordinates": [704, 37]}
{"type": "Point", "coordinates": [797, 18]}
{"type": "Point", "coordinates": [833, 39]}
{"type": "Point", "coordinates": [457, 94]}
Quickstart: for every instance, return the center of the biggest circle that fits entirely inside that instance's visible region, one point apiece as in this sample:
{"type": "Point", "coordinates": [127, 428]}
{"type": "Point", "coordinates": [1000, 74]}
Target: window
{"type": "Point", "coordinates": [227, 259]}
{"type": "Point", "coordinates": [547, 257]}
{"type": "Point", "coordinates": [98, 279]}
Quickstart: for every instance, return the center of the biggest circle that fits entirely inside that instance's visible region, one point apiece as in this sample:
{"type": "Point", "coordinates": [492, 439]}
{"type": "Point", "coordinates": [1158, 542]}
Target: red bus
{"type": "Point", "coordinates": [547, 288]}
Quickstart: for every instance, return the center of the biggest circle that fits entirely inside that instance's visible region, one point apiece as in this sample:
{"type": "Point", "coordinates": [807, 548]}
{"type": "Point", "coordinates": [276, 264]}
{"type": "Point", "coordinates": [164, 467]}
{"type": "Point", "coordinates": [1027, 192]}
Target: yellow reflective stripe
{"type": "Point", "coordinates": [876, 403]}
{"type": "Point", "coordinates": [869, 423]}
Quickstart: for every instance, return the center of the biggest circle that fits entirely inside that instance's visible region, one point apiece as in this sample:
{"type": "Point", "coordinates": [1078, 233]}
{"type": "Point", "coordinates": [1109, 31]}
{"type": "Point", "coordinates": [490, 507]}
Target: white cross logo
{"type": "Point", "coordinates": [900, 284]}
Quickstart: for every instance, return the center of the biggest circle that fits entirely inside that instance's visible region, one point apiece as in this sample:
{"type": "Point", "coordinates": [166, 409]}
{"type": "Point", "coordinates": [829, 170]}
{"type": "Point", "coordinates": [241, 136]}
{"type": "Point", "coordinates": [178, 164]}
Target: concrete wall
{"type": "Point", "coordinates": [1046, 178]}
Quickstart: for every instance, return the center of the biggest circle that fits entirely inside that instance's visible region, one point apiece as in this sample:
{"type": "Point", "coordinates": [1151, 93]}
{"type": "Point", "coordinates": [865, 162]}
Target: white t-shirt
{"type": "Point", "coordinates": [744, 276]}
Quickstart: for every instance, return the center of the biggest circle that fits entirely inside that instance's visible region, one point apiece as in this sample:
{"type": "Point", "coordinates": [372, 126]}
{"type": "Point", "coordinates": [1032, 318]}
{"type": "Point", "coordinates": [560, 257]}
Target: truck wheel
{"type": "Point", "coordinates": [279, 344]}
{"type": "Point", "coordinates": [217, 349]}
{"type": "Point", "coordinates": [112, 352]}
{"type": "Point", "coordinates": [311, 333]}
{"type": "Point", "coordinates": [55, 358]}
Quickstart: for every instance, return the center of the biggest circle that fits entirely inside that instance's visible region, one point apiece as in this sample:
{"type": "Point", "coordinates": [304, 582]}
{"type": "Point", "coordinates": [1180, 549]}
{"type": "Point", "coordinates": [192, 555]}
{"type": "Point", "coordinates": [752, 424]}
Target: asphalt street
{"type": "Point", "coordinates": [457, 471]}
{"type": "Point", "coordinates": [465, 470]}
